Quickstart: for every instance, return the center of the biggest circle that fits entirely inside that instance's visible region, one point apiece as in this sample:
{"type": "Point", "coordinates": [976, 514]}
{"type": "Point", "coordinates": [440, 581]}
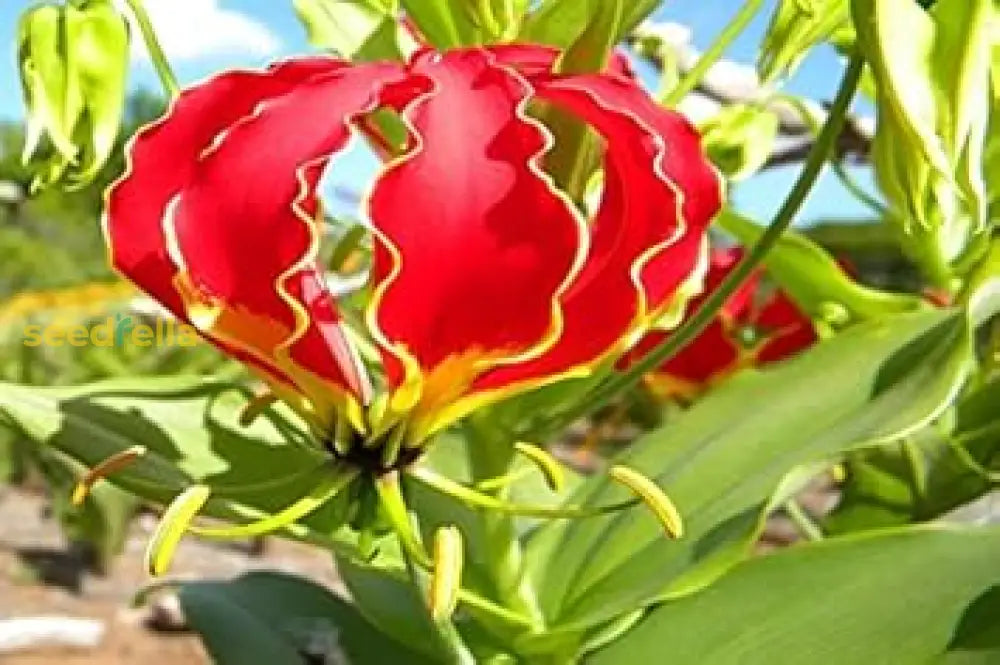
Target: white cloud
{"type": "Point", "coordinates": [194, 29]}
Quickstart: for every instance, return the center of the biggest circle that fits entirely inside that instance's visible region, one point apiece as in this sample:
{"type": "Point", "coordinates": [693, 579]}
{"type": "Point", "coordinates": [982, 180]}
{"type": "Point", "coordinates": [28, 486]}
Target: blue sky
{"type": "Point", "coordinates": [204, 36]}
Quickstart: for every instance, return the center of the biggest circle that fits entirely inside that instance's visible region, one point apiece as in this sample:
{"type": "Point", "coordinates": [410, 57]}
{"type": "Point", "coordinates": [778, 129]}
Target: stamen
{"type": "Point", "coordinates": [256, 406]}
{"type": "Point", "coordinates": [655, 498]}
{"type": "Point", "coordinates": [328, 487]}
{"type": "Point", "coordinates": [390, 495]}
{"type": "Point", "coordinates": [549, 466]}
{"type": "Point", "coordinates": [112, 464]}
{"type": "Point", "coordinates": [476, 499]}
{"type": "Point", "coordinates": [178, 517]}
{"type": "Point", "coordinates": [446, 574]}
{"type": "Point", "coordinates": [500, 482]}
{"type": "Point", "coordinates": [171, 528]}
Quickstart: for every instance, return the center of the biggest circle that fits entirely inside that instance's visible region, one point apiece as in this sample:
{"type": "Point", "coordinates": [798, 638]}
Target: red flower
{"type": "Point", "coordinates": [745, 332]}
{"type": "Point", "coordinates": [486, 281]}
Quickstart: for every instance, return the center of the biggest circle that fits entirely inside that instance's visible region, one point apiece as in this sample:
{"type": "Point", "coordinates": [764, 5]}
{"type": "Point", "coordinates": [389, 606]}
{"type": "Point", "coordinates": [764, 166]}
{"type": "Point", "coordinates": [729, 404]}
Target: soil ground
{"type": "Point", "coordinates": [40, 576]}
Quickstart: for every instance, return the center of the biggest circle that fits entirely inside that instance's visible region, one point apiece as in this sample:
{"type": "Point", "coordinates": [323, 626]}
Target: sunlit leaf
{"type": "Point", "coordinates": [191, 432]}
{"type": "Point", "coordinates": [721, 461]}
{"type": "Point", "coordinates": [356, 29]}
{"type": "Point", "coordinates": [905, 596]}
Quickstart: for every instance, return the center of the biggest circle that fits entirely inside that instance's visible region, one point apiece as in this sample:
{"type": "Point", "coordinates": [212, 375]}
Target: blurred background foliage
{"type": "Point", "coordinates": [56, 274]}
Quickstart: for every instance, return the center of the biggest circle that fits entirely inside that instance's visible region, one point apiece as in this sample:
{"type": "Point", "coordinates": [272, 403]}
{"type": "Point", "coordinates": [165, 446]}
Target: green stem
{"type": "Point", "coordinates": [490, 456]}
{"type": "Point", "coordinates": [846, 179]}
{"type": "Point", "coordinates": [488, 502]}
{"type": "Point", "coordinates": [392, 500]}
{"type": "Point", "coordinates": [803, 522]}
{"type": "Point", "coordinates": [159, 59]}
{"type": "Point", "coordinates": [691, 328]}
{"type": "Point", "coordinates": [450, 637]}
{"type": "Point", "coordinates": [728, 35]}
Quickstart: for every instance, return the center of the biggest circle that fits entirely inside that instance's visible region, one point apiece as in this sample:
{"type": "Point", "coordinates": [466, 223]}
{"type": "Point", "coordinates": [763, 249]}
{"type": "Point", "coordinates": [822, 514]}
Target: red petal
{"type": "Point", "coordinates": [236, 196]}
{"type": "Point", "coordinates": [739, 305]}
{"type": "Point", "coordinates": [787, 329]}
{"type": "Point", "coordinates": [135, 207]}
{"type": "Point", "coordinates": [660, 193]}
{"type": "Point", "coordinates": [475, 243]}
{"type": "Point", "coordinates": [712, 354]}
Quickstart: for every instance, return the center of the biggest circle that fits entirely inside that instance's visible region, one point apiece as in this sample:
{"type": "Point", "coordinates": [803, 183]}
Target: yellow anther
{"type": "Point", "coordinates": [174, 523]}
{"type": "Point", "coordinates": [549, 466]}
{"type": "Point", "coordinates": [256, 406]}
{"type": "Point", "coordinates": [654, 498]}
{"type": "Point", "coordinates": [114, 463]}
{"type": "Point", "coordinates": [446, 574]}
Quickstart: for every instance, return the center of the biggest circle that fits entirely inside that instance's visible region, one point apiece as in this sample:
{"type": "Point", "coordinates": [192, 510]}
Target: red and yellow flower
{"type": "Point", "coordinates": [486, 280]}
{"type": "Point", "coordinates": [752, 328]}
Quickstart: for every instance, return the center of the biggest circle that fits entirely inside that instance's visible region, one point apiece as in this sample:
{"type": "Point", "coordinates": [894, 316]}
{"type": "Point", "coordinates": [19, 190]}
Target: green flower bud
{"type": "Point", "coordinates": [740, 139]}
{"type": "Point", "coordinates": [796, 26]}
{"type": "Point", "coordinates": [932, 72]}
{"type": "Point", "coordinates": [73, 63]}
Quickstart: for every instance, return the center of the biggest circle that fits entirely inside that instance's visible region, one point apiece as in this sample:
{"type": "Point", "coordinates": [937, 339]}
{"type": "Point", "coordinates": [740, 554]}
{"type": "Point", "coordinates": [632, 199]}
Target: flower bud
{"type": "Point", "coordinates": [796, 26]}
{"type": "Point", "coordinates": [73, 63]}
{"type": "Point", "coordinates": [739, 139]}
{"type": "Point", "coordinates": [932, 72]}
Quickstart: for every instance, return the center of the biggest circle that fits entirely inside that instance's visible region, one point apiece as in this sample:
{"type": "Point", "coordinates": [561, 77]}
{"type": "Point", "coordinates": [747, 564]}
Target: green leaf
{"type": "Point", "coordinates": [190, 428]}
{"type": "Point", "coordinates": [446, 23]}
{"type": "Point", "coordinates": [927, 476]}
{"type": "Point", "coordinates": [896, 597]}
{"type": "Point", "coordinates": [796, 27]}
{"type": "Point", "coordinates": [389, 601]}
{"type": "Point", "coordinates": [561, 22]}
{"type": "Point", "coordinates": [722, 461]}
{"type": "Point", "coordinates": [271, 618]}
{"type": "Point", "coordinates": [591, 50]}
{"type": "Point", "coordinates": [358, 30]}
{"type": "Point", "coordinates": [813, 278]}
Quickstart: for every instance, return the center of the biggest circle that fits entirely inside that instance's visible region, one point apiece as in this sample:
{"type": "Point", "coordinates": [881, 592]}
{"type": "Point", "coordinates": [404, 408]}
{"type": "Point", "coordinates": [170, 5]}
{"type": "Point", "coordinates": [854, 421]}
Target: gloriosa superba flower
{"type": "Point", "coordinates": [486, 280]}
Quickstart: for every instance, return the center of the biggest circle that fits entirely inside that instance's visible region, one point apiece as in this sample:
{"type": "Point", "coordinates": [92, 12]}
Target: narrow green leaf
{"type": "Point", "coordinates": [724, 458]}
